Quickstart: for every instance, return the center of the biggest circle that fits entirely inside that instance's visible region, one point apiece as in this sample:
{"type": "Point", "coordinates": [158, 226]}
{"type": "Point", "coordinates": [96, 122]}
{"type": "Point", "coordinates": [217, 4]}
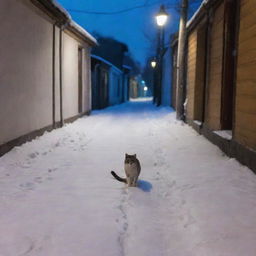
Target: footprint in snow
{"type": "Point", "coordinates": [125, 226]}
{"type": "Point", "coordinates": [27, 186]}
{"type": "Point", "coordinates": [52, 169]}
{"type": "Point", "coordinates": [33, 155]}
{"type": "Point", "coordinates": [38, 179]}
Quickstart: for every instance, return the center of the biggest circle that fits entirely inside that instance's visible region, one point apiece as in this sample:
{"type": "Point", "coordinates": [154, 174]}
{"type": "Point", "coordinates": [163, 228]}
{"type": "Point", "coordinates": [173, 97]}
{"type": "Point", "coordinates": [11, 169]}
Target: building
{"type": "Point", "coordinates": [44, 70]}
{"type": "Point", "coordinates": [111, 50]}
{"type": "Point", "coordinates": [221, 78]}
{"type": "Point", "coordinates": [100, 82]}
{"type": "Point", "coordinates": [109, 83]}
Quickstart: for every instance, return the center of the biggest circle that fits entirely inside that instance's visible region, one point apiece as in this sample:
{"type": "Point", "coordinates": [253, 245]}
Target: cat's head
{"type": "Point", "coordinates": [130, 158]}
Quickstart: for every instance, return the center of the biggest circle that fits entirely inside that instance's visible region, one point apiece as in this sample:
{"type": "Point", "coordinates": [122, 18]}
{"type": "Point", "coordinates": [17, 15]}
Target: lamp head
{"type": "Point", "coordinates": [153, 63]}
{"type": "Point", "coordinates": [162, 16]}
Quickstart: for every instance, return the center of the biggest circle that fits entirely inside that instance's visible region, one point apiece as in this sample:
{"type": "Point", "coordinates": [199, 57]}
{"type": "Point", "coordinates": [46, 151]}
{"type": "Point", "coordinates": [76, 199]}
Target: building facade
{"type": "Point", "coordinates": [109, 83]}
{"type": "Point", "coordinates": [44, 70]}
{"type": "Point", "coordinates": [221, 78]}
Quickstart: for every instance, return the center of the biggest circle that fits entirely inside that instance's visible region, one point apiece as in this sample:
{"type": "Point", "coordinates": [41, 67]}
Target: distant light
{"type": "Point", "coordinates": [143, 82]}
{"type": "Point", "coordinates": [161, 17]}
{"type": "Point", "coordinates": [145, 88]}
{"type": "Point", "coordinates": [153, 63]}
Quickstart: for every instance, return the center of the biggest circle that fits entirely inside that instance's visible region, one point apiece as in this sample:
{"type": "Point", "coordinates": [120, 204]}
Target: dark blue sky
{"type": "Point", "coordinates": [136, 28]}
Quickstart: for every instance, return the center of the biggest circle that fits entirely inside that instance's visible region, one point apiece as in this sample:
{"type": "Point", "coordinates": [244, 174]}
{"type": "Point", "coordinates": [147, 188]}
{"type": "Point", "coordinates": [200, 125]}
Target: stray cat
{"type": "Point", "coordinates": [132, 170]}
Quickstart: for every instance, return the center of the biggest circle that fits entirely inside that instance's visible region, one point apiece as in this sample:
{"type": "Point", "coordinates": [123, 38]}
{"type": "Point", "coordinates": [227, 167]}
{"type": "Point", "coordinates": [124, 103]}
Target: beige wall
{"type": "Point", "coordinates": [87, 80]}
{"type": "Point", "coordinates": [26, 87]}
{"type": "Point", "coordinates": [245, 108]}
{"type": "Point", "coordinates": [70, 76]}
{"type": "Point", "coordinates": [57, 75]}
{"type": "Point", "coordinates": [25, 70]}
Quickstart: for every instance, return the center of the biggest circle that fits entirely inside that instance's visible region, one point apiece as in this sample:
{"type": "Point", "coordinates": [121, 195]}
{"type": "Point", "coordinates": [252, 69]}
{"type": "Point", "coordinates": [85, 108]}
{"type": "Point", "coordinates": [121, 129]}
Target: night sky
{"type": "Point", "coordinates": [136, 28]}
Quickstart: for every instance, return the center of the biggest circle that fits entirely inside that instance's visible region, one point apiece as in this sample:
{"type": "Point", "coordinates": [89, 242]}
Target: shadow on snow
{"type": "Point", "coordinates": [144, 185]}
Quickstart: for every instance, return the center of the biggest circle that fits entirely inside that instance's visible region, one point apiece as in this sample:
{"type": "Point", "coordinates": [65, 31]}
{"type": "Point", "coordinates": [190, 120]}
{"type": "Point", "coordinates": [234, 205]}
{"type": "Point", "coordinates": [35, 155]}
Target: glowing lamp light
{"type": "Point", "coordinates": [161, 17]}
{"type": "Point", "coordinates": [153, 63]}
{"type": "Point", "coordinates": [145, 88]}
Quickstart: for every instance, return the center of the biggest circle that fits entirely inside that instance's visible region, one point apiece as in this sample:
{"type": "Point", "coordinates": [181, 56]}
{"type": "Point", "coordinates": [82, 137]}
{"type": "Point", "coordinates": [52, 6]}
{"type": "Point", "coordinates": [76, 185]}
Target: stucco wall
{"type": "Point", "coordinates": [87, 98]}
{"type": "Point", "coordinates": [70, 76]}
{"type": "Point", "coordinates": [28, 97]}
{"type": "Point", "coordinates": [57, 75]}
{"type": "Point", "coordinates": [115, 86]}
{"type": "Point", "coordinates": [25, 70]}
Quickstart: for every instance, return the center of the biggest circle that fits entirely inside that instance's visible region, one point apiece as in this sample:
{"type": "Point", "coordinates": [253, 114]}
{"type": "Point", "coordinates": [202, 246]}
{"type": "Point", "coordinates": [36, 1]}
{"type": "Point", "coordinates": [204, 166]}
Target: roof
{"type": "Point", "coordinates": [106, 62]}
{"type": "Point", "coordinates": [54, 9]}
{"type": "Point", "coordinates": [127, 67]}
{"type": "Point", "coordinates": [200, 13]}
{"type": "Point", "coordinates": [196, 14]}
{"type": "Point", "coordinates": [82, 32]}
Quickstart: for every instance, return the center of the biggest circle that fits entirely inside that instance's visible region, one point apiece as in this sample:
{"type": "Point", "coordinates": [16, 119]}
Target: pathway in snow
{"type": "Point", "coordinates": [57, 197]}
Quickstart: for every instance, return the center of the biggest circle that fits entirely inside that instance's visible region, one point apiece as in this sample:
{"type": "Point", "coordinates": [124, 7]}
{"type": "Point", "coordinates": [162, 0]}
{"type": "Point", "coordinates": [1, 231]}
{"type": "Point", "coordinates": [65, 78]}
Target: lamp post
{"type": "Point", "coordinates": [153, 64]}
{"type": "Point", "coordinates": [180, 91]}
{"type": "Point", "coordinates": [161, 19]}
{"type": "Point", "coordinates": [145, 90]}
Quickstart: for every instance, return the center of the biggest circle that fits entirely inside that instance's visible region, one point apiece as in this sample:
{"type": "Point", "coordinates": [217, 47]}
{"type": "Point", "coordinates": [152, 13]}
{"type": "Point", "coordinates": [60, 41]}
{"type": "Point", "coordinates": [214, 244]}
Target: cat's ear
{"type": "Point", "coordinates": [126, 154]}
{"type": "Point", "coordinates": [135, 155]}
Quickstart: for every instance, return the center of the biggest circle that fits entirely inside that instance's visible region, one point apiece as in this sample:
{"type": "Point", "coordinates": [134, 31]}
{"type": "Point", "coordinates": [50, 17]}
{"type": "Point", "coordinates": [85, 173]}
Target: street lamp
{"type": "Point", "coordinates": [161, 19]}
{"type": "Point", "coordinates": [162, 16]}
{"type": "Point", "coordinates": [145, 90]}
{"type": "Point", "coordinates": [153, 63]}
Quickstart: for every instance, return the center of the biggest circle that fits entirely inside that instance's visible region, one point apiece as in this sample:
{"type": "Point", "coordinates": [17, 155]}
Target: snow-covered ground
{"type": "Point", "coordinates": [57, 197]}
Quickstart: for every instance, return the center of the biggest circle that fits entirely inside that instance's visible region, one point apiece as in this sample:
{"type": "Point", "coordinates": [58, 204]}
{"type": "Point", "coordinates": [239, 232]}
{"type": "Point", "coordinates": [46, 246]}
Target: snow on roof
{"type": "Point", "coordinates": [105, 61]}
{"type": "Point", "coordinates": [204, 2]}
{"type": "Point", "coordinates": [82, 31]}
{"type": "Point", "coordinates": [127, 67]}
{"type": "Point", "coordinates": [72, 23]}
{"type": "Point", "coordinates": [61, 9]}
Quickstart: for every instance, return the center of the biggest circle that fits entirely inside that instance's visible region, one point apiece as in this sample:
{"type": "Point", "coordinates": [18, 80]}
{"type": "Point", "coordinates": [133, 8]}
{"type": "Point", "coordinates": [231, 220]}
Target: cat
{"type": "Point", "coordinates": [132, 170]}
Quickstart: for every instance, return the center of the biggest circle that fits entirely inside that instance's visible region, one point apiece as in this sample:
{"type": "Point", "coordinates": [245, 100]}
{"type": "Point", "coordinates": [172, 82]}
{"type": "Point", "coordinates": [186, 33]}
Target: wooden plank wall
{"type": "Point", "coordinates": [191, 74]}
{"type": "Point", "coordinates": [245, 115]}
{"type": "Point", "coordinates": [215, 70]}
{"type": "Point", "coordinates": [200, 73]}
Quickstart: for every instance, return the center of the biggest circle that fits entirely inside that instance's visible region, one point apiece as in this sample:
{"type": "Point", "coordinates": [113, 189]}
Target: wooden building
{"type": "Point", "coordinates": [44, 70]}
{"type": "Point", "coordinates": [221, 77]}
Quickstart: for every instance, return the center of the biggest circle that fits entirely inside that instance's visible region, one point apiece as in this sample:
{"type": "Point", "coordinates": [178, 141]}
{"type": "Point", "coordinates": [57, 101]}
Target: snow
{"type": "Point", "coordinates": [72, 23]}
{"type": "Point", "coordinates": [106, 62]}
{"type": "Point", "coordinates": [199, 123]}
{"type": "Point", "coordinates": [202, 5]}
{"type": "Point", "coordinates": [57, 196]}
{"type": "Point", "coordinates": [61, 9]}
{"type": "Point", "coordinates": [82, 31]}
{"type": "Point", "coordinates": [226, 134]}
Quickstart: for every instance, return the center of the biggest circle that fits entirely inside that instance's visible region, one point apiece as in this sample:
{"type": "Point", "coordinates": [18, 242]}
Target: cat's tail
{"type": "Point", "coordinates": [118, 178]}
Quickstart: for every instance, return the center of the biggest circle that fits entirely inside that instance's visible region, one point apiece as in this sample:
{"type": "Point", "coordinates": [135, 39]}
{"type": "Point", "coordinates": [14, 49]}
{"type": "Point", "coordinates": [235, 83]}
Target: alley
{"type": "Point", "coordinates": [58, 198]}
